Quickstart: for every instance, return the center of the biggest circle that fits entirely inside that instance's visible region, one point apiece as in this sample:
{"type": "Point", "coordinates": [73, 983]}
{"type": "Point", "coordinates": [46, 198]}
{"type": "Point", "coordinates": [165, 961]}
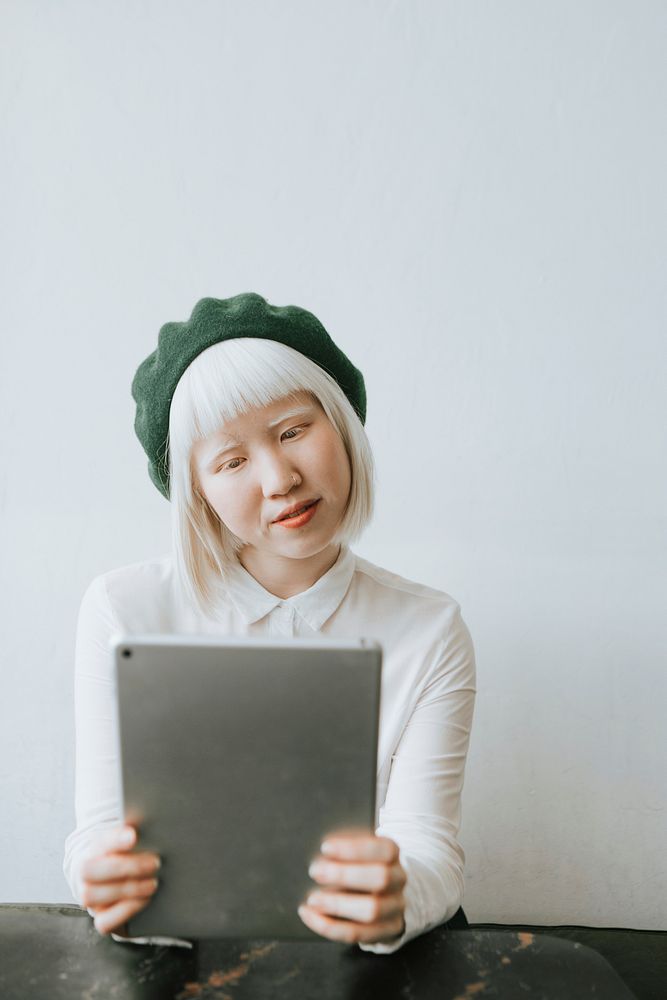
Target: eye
{"type": "Point", "coordinates": [292, 431]}
{"type": "Point", "coordinates": [230, 464]}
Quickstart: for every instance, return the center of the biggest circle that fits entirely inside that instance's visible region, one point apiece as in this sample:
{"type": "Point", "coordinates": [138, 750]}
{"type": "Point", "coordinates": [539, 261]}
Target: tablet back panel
{"type": "Point", "coordinates": [237, 757]}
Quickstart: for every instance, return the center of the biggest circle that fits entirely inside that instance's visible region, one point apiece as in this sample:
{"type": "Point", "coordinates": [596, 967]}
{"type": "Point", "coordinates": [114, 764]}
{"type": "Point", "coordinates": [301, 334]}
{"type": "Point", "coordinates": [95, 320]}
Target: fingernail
{"type": "Point", "coordinates": [301, 910]}
{"type": "Point", "coordinates": [158, 864]}
{"type": "Point", "coordinates": [314, 899]}
{"type": "Point", "coordinates": [327, 847]}
{"type": "Point", "coordinates": [127, 836]}
{"type": "Point", "coordinates": [315, 869]}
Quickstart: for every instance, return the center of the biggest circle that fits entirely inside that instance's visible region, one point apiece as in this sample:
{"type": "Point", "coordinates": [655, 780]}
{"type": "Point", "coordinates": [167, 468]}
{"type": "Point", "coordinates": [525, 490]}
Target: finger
{"type": "Point", "coordinates": [112, 867]}
{"type": "Point", "coordinates": [119, 838]}
{"type": "Point", "coordinates": [365, 847]}
{"type": "Point", "coordinates": [367, 877]}
{"type": "Point", "coordinates": [106, 893]}
{"type": "Point", "coordinates": [363, 907]}
{"type": "Point", "coordinates": [114, 916]}
{"type": "Point", "coordinates": [350, 932]}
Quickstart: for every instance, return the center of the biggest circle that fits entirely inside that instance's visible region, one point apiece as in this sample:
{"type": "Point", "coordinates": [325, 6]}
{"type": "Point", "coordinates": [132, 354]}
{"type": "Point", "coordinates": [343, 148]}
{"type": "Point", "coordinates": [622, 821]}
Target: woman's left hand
{"type": "Point", "coordinates": [360, 882]}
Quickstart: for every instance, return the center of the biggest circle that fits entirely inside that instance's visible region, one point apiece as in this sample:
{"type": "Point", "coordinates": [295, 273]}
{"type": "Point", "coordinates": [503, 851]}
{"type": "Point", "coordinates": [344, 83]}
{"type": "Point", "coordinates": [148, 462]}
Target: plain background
{"type": "Point", "coordinates": [471, 197]}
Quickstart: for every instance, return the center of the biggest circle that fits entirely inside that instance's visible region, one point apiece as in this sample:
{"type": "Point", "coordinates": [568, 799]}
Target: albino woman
{"type": "Point", "coordinates": [252, 420]}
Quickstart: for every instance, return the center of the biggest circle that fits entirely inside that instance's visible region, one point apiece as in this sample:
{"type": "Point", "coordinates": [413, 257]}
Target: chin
{"type": "Point", "coordinates": [302, 548]}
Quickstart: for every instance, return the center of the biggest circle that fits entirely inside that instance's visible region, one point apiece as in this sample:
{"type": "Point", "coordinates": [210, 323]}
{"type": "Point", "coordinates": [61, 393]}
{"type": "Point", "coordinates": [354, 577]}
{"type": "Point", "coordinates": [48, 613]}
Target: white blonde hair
{"type": "Point", "coordinates": [221, 384]}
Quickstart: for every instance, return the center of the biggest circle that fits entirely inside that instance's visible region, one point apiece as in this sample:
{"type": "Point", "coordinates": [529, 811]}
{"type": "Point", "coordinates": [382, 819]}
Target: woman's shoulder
{"type": "Point", "coordinates": [413, 609]}
{"type": "Point", "coordinates": [131, 588]}
{"type": "Point", "coordinates": [145, 572]}
{"type": "Point", "coordinates": [402, 589]}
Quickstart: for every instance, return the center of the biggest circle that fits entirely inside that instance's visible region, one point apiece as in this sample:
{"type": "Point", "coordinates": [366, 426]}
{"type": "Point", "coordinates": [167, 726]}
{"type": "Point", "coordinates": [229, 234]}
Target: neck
{"type": "Point", "coordinates": [286, 577]}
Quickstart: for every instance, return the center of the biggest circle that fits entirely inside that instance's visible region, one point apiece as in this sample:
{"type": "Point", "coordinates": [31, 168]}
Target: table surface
{"type": "Point", "coordinates": [48, 952]}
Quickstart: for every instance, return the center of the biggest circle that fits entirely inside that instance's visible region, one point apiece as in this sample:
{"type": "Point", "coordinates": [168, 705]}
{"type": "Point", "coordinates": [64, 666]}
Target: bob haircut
{"type": "Point", "coordinates": [221, 384]}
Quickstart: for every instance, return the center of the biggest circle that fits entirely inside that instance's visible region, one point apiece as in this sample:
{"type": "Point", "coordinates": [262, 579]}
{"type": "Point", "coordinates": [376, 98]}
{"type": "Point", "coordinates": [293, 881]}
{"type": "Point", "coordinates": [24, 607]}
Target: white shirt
{"type": "Point", "coordinates": [427, 698]}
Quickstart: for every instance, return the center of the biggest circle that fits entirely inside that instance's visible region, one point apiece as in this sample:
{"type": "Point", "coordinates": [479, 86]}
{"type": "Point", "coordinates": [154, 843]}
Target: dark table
{"type": "Point", "coordinates": [50, 952]}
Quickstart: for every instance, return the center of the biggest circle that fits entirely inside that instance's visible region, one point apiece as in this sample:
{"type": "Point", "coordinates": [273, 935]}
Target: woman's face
{"type": "Point", "coordinates": [273, 457]}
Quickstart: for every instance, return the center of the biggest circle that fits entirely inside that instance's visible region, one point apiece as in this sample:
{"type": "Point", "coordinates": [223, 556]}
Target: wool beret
{"type": "Point", "coordinates": [214, 320]}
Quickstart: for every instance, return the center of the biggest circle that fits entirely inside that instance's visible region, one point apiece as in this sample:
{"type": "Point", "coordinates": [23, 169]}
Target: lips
{"type": "Point", "coordinates": [296, 507]}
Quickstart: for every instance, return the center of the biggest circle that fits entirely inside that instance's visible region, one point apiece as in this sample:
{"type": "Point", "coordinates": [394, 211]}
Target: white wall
{"type": "Point", "coordinates": [471, 197]}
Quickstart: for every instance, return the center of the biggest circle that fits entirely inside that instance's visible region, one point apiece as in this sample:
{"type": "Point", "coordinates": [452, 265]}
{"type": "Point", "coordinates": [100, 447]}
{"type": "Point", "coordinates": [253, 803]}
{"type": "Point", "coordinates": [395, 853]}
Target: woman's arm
{"type": "Point", "coordinates": [104, 873]}
{"type": "Point", "coordinates": [97, 793]}
{"type": "Point", "coordinates": [422, 809]}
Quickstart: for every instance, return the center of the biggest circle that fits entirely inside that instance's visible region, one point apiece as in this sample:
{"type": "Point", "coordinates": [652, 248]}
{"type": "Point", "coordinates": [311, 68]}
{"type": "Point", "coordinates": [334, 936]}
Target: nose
{"type": "Point", "coordinates": [279, 476]}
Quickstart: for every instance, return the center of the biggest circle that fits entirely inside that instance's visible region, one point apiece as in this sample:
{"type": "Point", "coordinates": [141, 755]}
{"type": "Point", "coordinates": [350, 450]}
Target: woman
{"type": "Point", "coordinates": [252, 420]}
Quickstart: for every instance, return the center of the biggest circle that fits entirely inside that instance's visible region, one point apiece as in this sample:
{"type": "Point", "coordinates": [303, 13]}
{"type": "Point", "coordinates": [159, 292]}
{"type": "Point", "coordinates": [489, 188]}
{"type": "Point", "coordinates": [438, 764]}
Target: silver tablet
{"type": "Point", "coordinates": [237, 756]}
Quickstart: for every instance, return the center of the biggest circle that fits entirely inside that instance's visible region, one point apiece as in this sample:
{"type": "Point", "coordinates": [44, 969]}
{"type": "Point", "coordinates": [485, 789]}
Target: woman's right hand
{"type": "Point", "coordinates": [117, 884]}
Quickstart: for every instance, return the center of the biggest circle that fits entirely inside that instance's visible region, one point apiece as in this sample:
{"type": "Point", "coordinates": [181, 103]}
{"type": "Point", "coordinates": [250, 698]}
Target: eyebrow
{"type": "Point", "coordinates": [229, 442]}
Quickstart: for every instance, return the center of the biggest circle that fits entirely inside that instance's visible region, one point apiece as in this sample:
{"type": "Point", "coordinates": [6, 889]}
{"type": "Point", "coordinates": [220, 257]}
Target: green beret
{"type": "Point", "coordinates": [214, 320]}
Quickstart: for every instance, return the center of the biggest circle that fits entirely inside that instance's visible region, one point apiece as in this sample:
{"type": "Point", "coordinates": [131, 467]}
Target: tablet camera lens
{"type": "Point", "coordinates": [127, 652]}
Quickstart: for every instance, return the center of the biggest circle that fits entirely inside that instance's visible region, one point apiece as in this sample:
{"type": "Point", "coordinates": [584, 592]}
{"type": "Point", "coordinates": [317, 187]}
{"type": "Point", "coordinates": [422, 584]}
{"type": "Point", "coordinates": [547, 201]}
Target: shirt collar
{"type": "Point", "coordinates": [314, 605]}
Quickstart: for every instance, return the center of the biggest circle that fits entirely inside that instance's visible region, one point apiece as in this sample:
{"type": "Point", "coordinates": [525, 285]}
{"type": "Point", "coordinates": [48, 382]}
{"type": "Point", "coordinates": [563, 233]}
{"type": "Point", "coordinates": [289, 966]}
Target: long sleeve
{"type": "Point", "coordinates": [422, 808]}
{"type": "Point", "coordinates": [426, 717]}
{"type": "Point", "coordinates": [97, 788]}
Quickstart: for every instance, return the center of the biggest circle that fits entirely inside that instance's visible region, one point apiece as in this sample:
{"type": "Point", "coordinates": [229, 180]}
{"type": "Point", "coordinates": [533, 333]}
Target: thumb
{"type": "Point", "coordinates": [120, 838]}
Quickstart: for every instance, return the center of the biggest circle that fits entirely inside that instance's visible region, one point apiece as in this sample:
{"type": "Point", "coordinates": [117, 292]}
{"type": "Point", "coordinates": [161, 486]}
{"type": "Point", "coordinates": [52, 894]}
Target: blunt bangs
{"type": "Point", "coordinates": [222, 384]}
